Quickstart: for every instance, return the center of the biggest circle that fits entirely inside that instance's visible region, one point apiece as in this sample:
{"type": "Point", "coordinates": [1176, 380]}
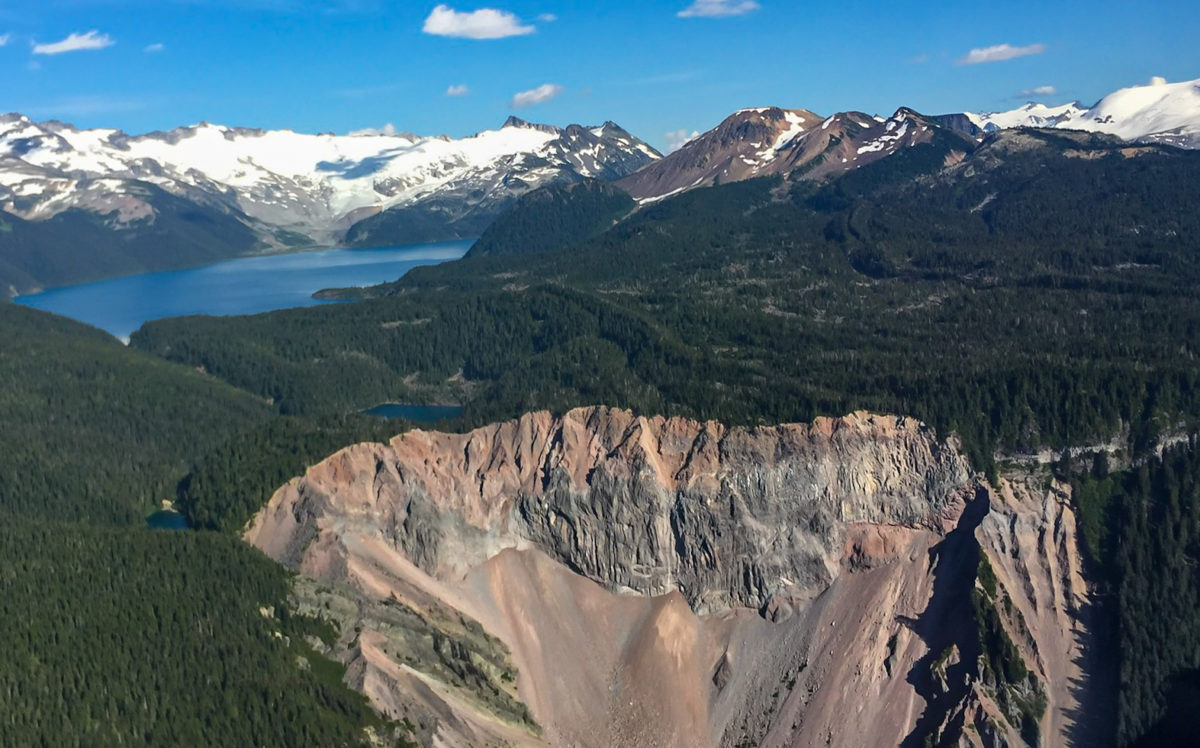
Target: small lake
{"type": "Point", "coordinates": [247, 285]}
{"type": "Point", "coordinates": [419, 413]}
{"type": "Point", "coordinates": [166, 520]}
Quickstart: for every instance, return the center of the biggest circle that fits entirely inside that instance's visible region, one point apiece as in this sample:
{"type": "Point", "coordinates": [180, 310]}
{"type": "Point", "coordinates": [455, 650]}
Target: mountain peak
{"type": "Point", "coordinates": [1159, 111]}
{"type": "Point", "coordinates": [516, 122]}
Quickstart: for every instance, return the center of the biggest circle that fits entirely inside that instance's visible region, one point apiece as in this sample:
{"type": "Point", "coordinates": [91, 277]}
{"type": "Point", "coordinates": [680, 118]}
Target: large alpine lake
{"type": "Point", "coordinates": [248, 285]}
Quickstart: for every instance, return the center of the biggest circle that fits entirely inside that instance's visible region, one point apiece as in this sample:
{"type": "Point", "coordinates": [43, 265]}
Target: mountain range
{"type": "Point", "coordinates": [770, 140]}
{"type": "Point", "coordinates": [206, 192]}
{"type": "Point", "coordinates": [271, 190]}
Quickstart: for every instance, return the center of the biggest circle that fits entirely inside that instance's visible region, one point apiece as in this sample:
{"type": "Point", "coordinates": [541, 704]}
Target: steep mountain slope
{"type": "Point", "coordinates": [553, 216]}
{"type": "Point", "coordinates": [671, 582]}
{"type": "Point", "coordinates": [94, 431]}
{"type": "Point", "coordinates": [275, 188]}
{"type": "Point", "coordinates": [1159, 112]}
{"type": "Point", "coordinates": [744, 144]}
{"type": "Point", "coordinates": [760, 142]}
{"type": "Point", "coordinates": [157, 231]}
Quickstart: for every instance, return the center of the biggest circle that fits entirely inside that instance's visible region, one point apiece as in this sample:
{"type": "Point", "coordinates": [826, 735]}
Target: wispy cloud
{"type": "Point", "coordinates": [677, 139]}
{"type": "Point", "coordinates": [458, 90]}
{"type": "Point", "coordinates": [85, 105]}
{"type": "Point", "coordinates": [75, 43]}
{"type": "Point", "coordinates": [999, 53]}
{"type": "Point", "coordinates": [920, 59]}
{"type": "Point", "coordinates": [485, 23]}
{"type": "Point", "coordinates": [547, 18]}
{"type": "Point", "coordinates": [1037, 91]}
{"type": "Point", "coordinates": [5, 39]}
{"type": "Point", "coordinates": [388, 129]}
{"type": "Point", "coordinates": [156, 47]}
{"type": "Point", "coordinates": [539, 95]}
{"type": "Point", "coordinates": [718, 8]}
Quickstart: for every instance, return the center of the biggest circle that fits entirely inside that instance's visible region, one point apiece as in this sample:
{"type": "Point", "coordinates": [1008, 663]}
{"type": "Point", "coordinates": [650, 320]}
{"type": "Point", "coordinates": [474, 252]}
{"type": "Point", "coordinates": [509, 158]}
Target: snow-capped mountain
{"type": "Point", "coordinates": [770, 140]}
{"type": "Point", "coordinates": [1159, 112]}
{"type": "Point", "coordinates": [299, 188]}
{"type": "Point", "coordinates": [1030, 115]}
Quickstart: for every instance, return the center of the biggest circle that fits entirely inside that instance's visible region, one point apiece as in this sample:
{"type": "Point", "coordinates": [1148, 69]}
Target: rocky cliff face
{"type": "Point", "coordinates": [655, 581]}
{"type": "Point", "coordinates": [729, 517]}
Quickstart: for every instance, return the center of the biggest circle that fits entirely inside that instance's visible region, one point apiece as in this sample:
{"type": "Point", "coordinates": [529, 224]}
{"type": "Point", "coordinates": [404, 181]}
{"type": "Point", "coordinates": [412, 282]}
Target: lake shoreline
{"type": "Point", "coordinates": [245, 285]}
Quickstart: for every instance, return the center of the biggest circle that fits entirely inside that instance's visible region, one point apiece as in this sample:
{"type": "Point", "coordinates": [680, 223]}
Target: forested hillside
{"type": "Point", "coordinates": [132, 637]}
{"type": "Point", "coordinates": [115, 634]}
{"type": "Point", "coordinates": [553, 216]}
{"type": "Point", "coordinates": [96, 432]}
{"type": "Point", "coordinates": [76, 246]}
{"type": "Point", "coordinates": [1143, 527]}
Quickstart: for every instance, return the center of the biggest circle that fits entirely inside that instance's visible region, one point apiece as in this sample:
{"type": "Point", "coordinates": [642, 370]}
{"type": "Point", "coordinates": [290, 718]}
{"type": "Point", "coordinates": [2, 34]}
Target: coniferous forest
{"type": "Point", "coordinates": [114, 634]}
{"type": "Point", "coordinates": [1045, 302]}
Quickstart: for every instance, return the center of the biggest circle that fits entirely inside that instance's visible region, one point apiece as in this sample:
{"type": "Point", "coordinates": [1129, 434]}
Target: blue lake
{"type": "Point", "coordinates": [248, 285]}
{"type": "Point", "coordinates": [165, 520]}
{"type": "Point", "coordinates": [420, 413]}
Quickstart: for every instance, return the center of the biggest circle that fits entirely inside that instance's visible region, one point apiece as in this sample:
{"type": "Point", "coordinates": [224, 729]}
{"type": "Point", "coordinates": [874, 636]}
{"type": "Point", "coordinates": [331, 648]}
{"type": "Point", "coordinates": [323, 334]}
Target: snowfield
{"type": "Point", "coordinates": [1158, 111]}
{"type": "Point", "coordinates": [316, 184]}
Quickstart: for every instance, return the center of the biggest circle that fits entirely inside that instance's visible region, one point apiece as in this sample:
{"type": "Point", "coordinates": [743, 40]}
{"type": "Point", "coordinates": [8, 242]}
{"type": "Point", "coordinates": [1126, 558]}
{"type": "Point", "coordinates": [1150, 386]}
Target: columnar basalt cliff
{"type": "Point", "coordinates": [655, 581]}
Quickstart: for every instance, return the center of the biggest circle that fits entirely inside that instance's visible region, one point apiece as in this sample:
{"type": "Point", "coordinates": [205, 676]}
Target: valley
{"type": "Point", "coordinates": [723, 447]}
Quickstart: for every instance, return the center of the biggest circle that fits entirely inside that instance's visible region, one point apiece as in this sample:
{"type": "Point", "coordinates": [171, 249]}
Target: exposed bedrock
{"type": "Point", "coordinates": [729, 517]}
{"type": "Point", "coordinates": [661, 581]}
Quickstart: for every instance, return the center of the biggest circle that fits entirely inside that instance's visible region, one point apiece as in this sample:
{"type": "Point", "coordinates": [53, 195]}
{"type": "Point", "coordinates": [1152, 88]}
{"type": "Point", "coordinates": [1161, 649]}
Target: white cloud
{"type": "Point", "coordinates": [999, 53]}
{"type": "Point", "coordinates": [1158, 80]}
{"type": "Point", "coordinates": [539, 95]}
{"type": "Point", "coordinates": [4, 39]}
{"type": "Point", "coordinates": [75, 43]}
{"type": "Point", "coordinates": [547, 18]}
{"type": "Point", "coordinates": [1038, 91]}
{"type": "Point", "coordinates": [718, 8]}
{"type": "Point", "coordinates": [156, 47]}
{"type": "Point", "coordinates": [677, 139]}
{"type": "Point", "coordinates": [388, 129]}
{"type": "Point", "coordinates": [485, 23]}
{"type": "Point", "coordinates": [458, 90]}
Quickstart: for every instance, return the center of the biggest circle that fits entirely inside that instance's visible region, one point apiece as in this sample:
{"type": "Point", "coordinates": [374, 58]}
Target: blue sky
{"type": "Point", "coordinates": [653, 66]}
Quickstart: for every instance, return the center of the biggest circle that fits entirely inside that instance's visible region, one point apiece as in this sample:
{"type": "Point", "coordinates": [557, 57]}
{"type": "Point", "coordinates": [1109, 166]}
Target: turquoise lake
{"type": "Point", "coordinates": [247, 285]}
